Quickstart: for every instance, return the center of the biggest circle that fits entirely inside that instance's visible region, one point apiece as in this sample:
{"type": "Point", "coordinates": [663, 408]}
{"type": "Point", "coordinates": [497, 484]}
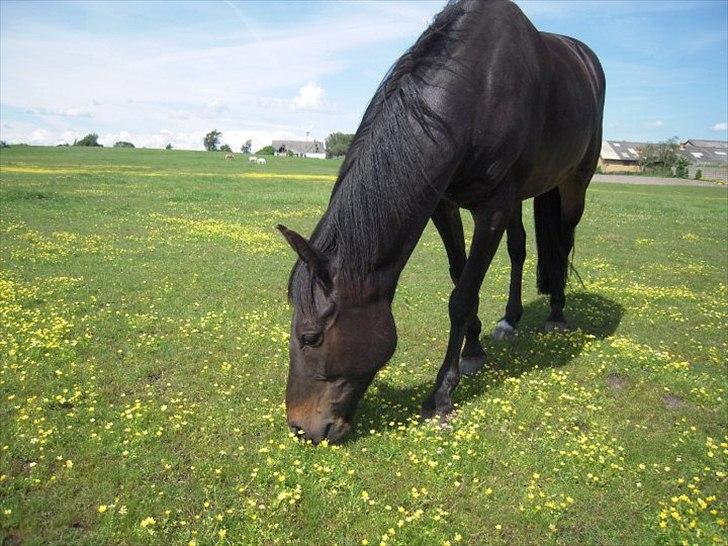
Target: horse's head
{"type": "Point", "coordinates": [337, 344]}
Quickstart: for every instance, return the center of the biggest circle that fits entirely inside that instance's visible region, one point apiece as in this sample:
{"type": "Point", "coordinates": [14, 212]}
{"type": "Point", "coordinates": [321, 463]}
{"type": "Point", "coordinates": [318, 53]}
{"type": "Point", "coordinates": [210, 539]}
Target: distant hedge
{"type": "Point", "coordinates": [265, 150]}
{"type": "Point", "coordinates": [92, 139]}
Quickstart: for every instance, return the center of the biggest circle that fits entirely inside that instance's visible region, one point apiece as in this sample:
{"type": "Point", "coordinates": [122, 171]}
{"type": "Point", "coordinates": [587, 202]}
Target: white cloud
{"type": "Point", "coordinates": [720, 126]}
{"type": "Point", "coordinates": [112, 84]}
{"type": "Point", "coordinates": [184, 140]}
{"type": "Point", "coordinates": [657, 123]}
{"type": "Point", "coordinates": [39, 136]}
{"type": "Point", "coordinates": [61, 112]}
{"type": "Point", "coordinates": [215, 109]}
{"type": "Point", "coordinates": [310, 97]}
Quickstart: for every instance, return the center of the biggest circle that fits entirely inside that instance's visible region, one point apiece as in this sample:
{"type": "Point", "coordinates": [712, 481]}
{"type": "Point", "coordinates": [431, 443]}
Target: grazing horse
{"type": "Point", "coordinates": [260, 161]}
{"type": "Point", "coordinates": [252, 159]}
{"type": "Point", "coordinates": [482, 112]}
{"type": "Point", "coordinates": [229, 157]}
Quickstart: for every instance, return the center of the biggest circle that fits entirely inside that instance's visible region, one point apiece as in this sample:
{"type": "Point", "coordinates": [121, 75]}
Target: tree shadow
{"type": "Point", "coordinates": [590, 316]}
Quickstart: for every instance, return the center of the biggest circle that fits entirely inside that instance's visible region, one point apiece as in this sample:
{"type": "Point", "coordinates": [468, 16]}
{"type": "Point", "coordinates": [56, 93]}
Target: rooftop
{"type": "Point", "coordinates": [299, 146]}
{"type": "Point", "coordinates": [622, 149]}
{"type": "Point", "coordinates": [720, 144]}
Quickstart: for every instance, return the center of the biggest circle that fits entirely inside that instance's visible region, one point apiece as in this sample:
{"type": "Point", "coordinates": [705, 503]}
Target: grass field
{"type": "Point", "coordinates": [143, 352]}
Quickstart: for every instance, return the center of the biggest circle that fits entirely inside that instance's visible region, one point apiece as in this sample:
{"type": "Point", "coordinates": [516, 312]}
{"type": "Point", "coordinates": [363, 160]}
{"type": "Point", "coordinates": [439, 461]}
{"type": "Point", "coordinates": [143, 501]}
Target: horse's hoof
{"type": "Point", "coordinates": [504, 331]}
{"type": "Point", "coordinates": [553, 326]}
{"type": "Point", "coordinates": [428, 410]}
{"type": "Point", "coordinates": [470, 365]}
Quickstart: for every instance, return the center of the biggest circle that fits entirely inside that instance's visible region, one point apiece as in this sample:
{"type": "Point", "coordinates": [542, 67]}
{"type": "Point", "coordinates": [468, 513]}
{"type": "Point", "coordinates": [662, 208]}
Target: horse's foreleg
{"type": "Point", "coordinates": [516, 238]}
{"type": "Point", "coordinates": [450, 227]}
{"type": "Point", "coordinates": [490, 223]}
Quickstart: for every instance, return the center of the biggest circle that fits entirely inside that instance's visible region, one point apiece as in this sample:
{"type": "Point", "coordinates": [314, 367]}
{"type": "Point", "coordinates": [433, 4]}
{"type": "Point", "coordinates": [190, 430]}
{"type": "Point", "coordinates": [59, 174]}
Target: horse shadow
{"type": "Point", "coordinates": [590, 316]}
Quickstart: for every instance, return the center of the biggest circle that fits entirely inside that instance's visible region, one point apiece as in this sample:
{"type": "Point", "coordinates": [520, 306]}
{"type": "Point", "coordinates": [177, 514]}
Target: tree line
{"type": "Point", "coordinates": [337, 144]}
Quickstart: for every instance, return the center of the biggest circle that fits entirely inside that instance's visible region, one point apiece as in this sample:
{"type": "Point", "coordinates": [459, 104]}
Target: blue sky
{"type": "Point", "coordinates": [164, 72]}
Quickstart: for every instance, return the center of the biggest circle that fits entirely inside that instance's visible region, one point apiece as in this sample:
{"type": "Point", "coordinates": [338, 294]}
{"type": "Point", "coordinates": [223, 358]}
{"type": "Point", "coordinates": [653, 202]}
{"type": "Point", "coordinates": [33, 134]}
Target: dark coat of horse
{"type": "Point", "coordinates": [482, 112]}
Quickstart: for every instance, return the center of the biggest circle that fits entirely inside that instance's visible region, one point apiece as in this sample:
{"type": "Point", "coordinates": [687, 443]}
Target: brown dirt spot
{"type": "Point", "coordinates": [12, 539]}
{"type": "Point", "coordinates": [617, 381]}
{"type": "Point", "coordinates": [672, 402]}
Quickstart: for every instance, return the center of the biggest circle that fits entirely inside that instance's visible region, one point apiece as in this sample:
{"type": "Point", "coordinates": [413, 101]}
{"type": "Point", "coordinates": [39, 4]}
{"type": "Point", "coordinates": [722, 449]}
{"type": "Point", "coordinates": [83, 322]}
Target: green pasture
{"type": "Point", "coordinates": [143, 358]}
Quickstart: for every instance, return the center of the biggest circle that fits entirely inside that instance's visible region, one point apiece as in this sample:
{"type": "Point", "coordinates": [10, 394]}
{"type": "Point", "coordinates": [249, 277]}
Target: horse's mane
{"type": "Point", "coordinates": [384, 175]}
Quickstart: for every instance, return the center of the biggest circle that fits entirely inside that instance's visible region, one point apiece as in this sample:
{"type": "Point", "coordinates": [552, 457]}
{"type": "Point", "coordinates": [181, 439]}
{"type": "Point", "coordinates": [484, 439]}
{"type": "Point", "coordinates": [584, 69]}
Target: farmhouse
{"type": "Point", "coordinates": [710, 156]}
{"type": "Point", "coordinates": [620, 156]}
{"type": "Point", "coordinates": [300, 148]}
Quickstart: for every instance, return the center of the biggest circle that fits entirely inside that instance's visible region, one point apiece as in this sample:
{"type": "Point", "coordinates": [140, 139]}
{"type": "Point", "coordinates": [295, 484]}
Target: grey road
{"type": "Point", "coordinates": [652, 181]}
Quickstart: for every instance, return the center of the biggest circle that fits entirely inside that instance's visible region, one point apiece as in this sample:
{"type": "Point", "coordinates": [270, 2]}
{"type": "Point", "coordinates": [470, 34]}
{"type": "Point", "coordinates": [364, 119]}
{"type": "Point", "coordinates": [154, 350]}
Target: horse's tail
{"type": "Point", "coordinates": [554, 241]}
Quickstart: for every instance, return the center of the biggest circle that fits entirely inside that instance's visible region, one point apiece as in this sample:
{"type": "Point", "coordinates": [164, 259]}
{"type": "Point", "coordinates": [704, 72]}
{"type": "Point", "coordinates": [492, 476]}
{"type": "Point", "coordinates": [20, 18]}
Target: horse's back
{"type": "Point", "coordinates": [534, 106]}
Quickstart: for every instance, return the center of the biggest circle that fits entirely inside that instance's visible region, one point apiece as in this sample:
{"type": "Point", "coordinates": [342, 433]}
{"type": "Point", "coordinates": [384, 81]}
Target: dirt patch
{"type": "Point", "coordinates": [12, 539]}
{"type": "Point", "coordinates": [672, 402]}
{"type": "Point", "coordinates": [617, 382]}
{"type": "Point", "coordinates": [154, 376]}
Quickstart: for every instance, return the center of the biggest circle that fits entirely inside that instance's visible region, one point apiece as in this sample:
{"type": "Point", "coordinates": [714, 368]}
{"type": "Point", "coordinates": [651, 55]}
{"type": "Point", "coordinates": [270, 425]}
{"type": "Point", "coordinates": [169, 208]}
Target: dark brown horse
{"type": "Point", "coordinates": [482, 112]}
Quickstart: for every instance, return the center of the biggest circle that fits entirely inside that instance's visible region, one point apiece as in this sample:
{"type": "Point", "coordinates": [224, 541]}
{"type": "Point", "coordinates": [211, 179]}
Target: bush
{"type": "Point", "coordinates": [698, 174]}
{"type": "Point", "coordinates": [211, 140]}
{"type": "Point", "coordinates": [681, 168]}
{"type": "Point", "coordinates": [265, 150]}
{"type": "Point", "coordinates": [4, 144]}
{"type": "Point", "coordinates": [92, 140]}
{"type": "Point", "coordinates": [337, 144]}
{"type": "Point", "coordinates": [225, 148]}
{"type": "Point", "coordinates": [123, 144]}
{"type": "Point", "coordinates": [168, 147]}
{"type": "Point", "coordinates": [63, 145]}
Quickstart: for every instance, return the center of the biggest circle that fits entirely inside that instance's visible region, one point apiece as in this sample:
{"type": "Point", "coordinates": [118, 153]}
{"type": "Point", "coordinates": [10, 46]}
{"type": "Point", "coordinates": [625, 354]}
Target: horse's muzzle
{"type": "Point", "coordinates": [317, 430]}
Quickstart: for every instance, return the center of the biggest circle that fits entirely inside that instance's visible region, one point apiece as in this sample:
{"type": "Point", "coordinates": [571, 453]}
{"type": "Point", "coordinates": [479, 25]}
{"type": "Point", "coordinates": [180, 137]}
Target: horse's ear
{"type": "Point", "coordinates": [314, 259]}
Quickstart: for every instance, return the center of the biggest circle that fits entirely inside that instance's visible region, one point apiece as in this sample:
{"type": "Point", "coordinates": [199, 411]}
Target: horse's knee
{"type": "Point", "coordinates": [461, 307]}
{"type": "Point", "coordinates": [474, 327]}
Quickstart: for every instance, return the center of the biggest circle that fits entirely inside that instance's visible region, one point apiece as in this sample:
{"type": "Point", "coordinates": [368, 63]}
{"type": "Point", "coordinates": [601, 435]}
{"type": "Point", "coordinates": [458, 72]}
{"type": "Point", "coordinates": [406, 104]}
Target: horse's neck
{"type": "Point", "coordinates": [393, 246]}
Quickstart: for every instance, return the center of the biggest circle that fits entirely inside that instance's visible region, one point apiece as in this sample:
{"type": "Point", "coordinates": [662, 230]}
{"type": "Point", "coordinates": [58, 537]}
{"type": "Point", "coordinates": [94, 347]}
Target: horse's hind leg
{"type": "Point", "coordinates": [450, 226]}
{"type": "Point", "coordinates": [516, 240]}
{"type": "Point", "coordinates": [557, 214]}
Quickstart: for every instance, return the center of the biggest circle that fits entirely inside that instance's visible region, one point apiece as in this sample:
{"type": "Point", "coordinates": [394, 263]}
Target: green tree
{"type": "Point", "coordinates": [245, 148]}
{"type": "Point", "coordinates": [92, 139]}
{"type": "Point", "coordinates": [681, 168]}
{"type": "Point", "coordinates": [225, 148]}
{"type": "Point", "coordinates": [168, 147]}
{"type": "Point", "coordinates": [4, 144]}
{"type": "Point", "coordinates": [662, 157]}
{"type": "Point", "coordinates": [123, 144]}
{"type": "Point", "coordinates": [265, 150]}
{"type": "Point", "coordinates": [698, 174]}
{"type": "Point", "coordinates": [337, 144]}
{"type": "Point", "coordinates": [212, 139]}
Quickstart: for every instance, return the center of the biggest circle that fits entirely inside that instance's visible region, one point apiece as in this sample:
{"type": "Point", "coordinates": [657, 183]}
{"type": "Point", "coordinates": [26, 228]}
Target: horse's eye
{"type": "Point", "coordinates": [311, 339]}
